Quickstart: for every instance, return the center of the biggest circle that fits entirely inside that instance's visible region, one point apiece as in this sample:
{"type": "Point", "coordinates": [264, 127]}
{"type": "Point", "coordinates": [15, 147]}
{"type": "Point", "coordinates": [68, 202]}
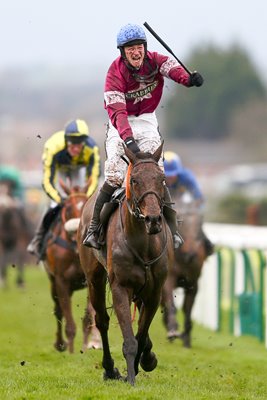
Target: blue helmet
{"type": "Point", "coordinates": [131, 34]}
{"type": "Point", "coordinates": [172, 164]}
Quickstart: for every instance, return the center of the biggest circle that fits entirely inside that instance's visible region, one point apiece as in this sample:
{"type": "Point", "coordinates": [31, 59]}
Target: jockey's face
{"type": "Point", "coordinates": [74, 149]}
{"type": "Point", "coordinates": [135, 55]}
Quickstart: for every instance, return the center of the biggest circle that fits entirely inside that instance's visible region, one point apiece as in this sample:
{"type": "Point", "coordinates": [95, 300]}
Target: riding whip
{"type": "Point", "coordinates": [166, 46]}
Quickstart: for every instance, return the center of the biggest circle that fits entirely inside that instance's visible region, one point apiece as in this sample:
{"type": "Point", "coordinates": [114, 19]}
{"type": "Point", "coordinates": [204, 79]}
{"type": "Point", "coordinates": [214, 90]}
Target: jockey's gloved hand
{"type": "Point", "coordinates": [196, 79]}
{"type": "Point", "coordinates": [131, 144]}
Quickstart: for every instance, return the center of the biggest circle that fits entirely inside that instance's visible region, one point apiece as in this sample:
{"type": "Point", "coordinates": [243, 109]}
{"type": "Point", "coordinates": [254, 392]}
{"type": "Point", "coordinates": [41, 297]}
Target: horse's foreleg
{"type": "Point", "coordinates": [90, 329]}
{"type": "Point", "coordinates": [97, 293]}
{"type": "Point", "coordinates": [169, 309]}
{"type": "Point", "coordinates": [145, 356]}
{"type": "Point", "coordinates": [130, 345]}
{"type": "Point", "coordinates": [20, 264]}
{"type": "Point", "coordinates": [189, 299]}
{"type": "Point", "coordinates": [64, 297]}
{"type": "Point", "coordinates": [60, 344]}
{"type": "Point", "coordinates": [3, 269]}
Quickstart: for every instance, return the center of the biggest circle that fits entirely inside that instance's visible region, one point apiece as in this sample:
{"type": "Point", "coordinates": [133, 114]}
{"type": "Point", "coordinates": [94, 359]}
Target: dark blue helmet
{"type": "Point", "coordinates": [172, 164]}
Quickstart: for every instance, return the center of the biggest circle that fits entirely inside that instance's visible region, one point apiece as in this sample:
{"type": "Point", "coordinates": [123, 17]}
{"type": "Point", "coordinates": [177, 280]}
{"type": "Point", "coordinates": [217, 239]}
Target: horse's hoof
{"type": "Point", "coordinates": [130, 380]}
{"type": "Point", "coordinates": [172, 335]}
{"type": "Point", "coordinates": [187, 343]}
{"type": "Point", "coordinates": [94, 344]}
{"type": "Point", "coordinates": [114, 374]}
{"type": "Point", "coordinates": [61, 346]}
{"type": "Point", "coordinates": [149, 362]}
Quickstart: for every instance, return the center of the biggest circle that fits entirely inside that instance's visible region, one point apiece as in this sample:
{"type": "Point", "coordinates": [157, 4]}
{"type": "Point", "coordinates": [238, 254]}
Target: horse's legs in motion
{"type": "Point", "coordinates": [97, 293]}
{"type": "Point", "coordinates": [3, 270]}
{"type": "Point", "coordinates": [147, 358]}
{"type": "Point", "coordinates": [169, 309]}
{"type": "Point", "coordinates": [20, 264]}
{"type": "Point", "coordinates": [121, 305]}
{"type": "Point", "coordinates": [64, 297]}
{"type": "Point", "coordinates": [90, 329]}
{"type": "Point", "coordinates": [189, 298]}
{"type": "Point", "coordinates": [60, 344]}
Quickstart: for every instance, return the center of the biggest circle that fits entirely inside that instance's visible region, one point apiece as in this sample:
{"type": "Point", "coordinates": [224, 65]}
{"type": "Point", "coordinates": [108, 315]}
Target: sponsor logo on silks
{"type": "Point", "coordinates": [143, 92]}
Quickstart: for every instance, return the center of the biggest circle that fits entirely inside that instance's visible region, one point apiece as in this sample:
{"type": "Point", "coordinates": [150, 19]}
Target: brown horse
{"type": "Point", "coordinates": [189, 260]}
{"type": "Point", "coordinates": [15, 232]}
{"type": "Point", "coordinates": [135, 259]}
{"type": "Point", "coordinates": [64, 270]}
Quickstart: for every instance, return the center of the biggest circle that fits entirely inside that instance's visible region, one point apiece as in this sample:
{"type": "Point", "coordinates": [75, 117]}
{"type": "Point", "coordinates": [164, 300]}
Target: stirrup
{"type": "Point", "coordinates": [91, 240]}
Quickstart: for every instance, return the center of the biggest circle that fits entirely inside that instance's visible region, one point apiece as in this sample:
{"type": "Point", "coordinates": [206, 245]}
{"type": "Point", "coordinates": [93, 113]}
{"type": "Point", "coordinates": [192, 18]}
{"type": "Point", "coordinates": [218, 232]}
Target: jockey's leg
{"type": "Point", "coordinates": [171, 218]}
{"type": "Point", "coordinates": [34, 247]}
{"type": "Point", "coordinates": [92, 235]}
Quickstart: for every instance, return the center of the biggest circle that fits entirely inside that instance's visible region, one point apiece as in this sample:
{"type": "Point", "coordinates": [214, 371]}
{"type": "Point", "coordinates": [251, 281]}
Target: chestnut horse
{"type": "Point", "coordinates": [135, 259]}
{"type": "Point", "coordinates": [189, 260]}
{"type": "Point", "coordinates": [64, 270]}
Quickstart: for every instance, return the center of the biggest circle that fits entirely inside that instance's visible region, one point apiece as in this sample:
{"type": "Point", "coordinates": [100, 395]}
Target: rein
{"type": "Point", "coordinates": [146, 264]}
{"type": "Point", "coordinates": [136, 201]}
{"type": "Point", "coordinates": [137, 214]}
{"type": "Point", "coordinates": [68, 244]}
{"type": "Point", "coordinates": [71, 197]}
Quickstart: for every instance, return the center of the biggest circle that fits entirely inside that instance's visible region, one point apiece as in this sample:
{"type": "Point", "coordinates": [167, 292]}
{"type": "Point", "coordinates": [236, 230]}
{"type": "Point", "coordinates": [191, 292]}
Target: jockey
{"type": "Point", "coordinates": [72, 154]}
{"type": "Point", "coordinates": [10, 178]}
{"type": "Point", "coordinates": [181, 180]}
{"type": "Point", "coordinates": [133, 90]}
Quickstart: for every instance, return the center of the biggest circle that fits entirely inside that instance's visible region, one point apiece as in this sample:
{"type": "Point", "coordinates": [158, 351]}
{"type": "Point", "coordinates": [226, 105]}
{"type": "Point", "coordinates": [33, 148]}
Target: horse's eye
{"type": "Point", "coordinates": [133, 181]}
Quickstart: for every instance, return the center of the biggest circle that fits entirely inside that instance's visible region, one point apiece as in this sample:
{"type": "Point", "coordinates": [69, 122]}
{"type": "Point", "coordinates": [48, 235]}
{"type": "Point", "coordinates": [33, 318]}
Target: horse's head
{"type": "Point", "coordinates": [73, 205]}
{"type": "Point", "coordinates": [145, 188]}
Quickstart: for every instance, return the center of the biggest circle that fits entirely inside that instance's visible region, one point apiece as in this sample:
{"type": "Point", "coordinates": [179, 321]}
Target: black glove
{"type": "Point", "coordinates": [196, 79]}
{"type": "Point", "coordinates": [131, 144]}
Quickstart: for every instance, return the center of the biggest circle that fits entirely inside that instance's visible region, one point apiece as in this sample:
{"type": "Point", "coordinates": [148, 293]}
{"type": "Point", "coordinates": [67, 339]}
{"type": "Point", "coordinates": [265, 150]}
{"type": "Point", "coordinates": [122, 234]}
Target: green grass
{"type": "Point", "coordinates": [218, 366]}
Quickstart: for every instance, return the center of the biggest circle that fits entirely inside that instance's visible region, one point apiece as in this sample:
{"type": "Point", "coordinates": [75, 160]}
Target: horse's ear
{"type": "Point", "coordinates": [157, 154]}
{"type": "Point", "coordinates": [64, 186]}
{"type": "Point", "coordinates": [129, 154]}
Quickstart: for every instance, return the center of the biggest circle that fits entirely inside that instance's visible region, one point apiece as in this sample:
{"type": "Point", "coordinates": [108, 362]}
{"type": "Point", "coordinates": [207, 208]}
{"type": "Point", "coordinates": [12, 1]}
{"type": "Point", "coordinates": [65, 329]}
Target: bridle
{"type": "Point", "coordinates": [136, 212]}
{"type": "Point", "coordinates": [68, 244]}
{"type": "Point", "coordinates": [136, 201]}
{"type": "Point", "coordinates": [72, 197]}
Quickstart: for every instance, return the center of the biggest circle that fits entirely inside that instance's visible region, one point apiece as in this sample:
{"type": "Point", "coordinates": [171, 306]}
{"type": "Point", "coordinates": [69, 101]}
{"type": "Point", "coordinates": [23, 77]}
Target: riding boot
{"type": "Point", "coordinates": [92, 234]}
{"type": "Point", "coordinates": [171, 218]}
{"type": "Point", "coordinates": [35, 246]}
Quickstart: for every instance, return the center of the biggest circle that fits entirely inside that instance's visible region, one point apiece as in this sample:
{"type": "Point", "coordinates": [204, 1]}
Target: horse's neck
{"type": "Point", "coordinates": [191, 226]}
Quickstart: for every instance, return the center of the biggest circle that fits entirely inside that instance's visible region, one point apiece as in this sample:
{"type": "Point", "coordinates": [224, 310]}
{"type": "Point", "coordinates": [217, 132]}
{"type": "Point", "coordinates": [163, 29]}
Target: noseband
{"type": "Point", "coordinates": [136, 211]}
